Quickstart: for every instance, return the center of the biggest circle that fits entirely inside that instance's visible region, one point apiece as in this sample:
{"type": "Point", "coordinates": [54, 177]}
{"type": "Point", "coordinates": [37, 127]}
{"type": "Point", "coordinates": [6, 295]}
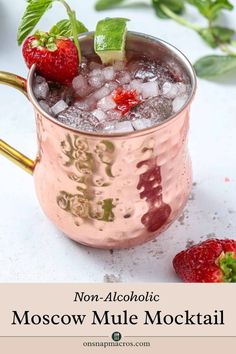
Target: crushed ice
{"type": "Point", "coordinates": [89, 105]}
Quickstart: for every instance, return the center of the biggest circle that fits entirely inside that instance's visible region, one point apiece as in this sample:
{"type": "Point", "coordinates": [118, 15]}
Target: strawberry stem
{"type": "Point", "coordinates": [227, 263]}
{"type": "Point", "coordinates": [72, 18]}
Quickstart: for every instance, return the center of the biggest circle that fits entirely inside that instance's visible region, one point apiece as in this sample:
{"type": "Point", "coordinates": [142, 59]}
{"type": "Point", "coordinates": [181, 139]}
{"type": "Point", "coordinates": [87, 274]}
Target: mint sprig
{"type": "Point", "coordinates": [211, 9]}
{"type": "Point", "coordinates": [33, 13]}
{"type": "Point", "coordinates": [107, 4]}
{"type": "Point", "coordinates": [63, 28]}
{"type": "Point", "coordinates": [211, 66]}
{"type": "Point", "coordinates": [176, 6]}
{"type": "Point", "coordinates": [214, 36]}
{"type": "Point", "coordinates": [35, 10]}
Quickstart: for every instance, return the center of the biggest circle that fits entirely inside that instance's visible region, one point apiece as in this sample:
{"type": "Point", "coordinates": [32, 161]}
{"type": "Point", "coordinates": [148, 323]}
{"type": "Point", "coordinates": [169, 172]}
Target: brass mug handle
{"type": "Point", "coordinates": [6, 150]}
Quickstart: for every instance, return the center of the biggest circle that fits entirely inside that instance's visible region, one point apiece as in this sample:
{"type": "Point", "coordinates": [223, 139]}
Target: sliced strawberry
{"type": "Point", "coordinates": [125, 99]}
{"type": "Point", "coordinates": [56, 58]}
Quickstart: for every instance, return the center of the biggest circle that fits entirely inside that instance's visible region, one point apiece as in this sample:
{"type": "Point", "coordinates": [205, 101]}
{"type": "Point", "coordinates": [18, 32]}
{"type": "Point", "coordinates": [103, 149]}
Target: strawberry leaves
{"type": "Point", "coordinates": [33, 13]}
{"type": "Point", "coordinates": [63, 28]}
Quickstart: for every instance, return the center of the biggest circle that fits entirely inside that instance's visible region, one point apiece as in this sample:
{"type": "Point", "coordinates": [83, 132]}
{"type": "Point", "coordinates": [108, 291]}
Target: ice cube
{"type": "Point", "coordinates": [79, 81]}
{"type": "Point", "coordinates": [99, 114]}
{"type": "Point", "coordinates": [182, 88]}
{"type": "Point", "coordinates": [78, 119]}
{"type": "Point", "coordinates": [70, 116]}
{"type": "Point", "coordinates": [59, 107]}
{"type": "Point", "coordinates": [45, 106]}
{"type": "Point", "coordinates": [102, 92]}
{"type": "Point", "coordinates": [58, 92]}
{"type": "Point", "coordinates": [172, 90]}
{"type": "Point", "coordinates": [94, 65]}
{"type": "Point", "coordinates": [87, 104]}
{"type": "Point", "coordinates": [112, 85]}
{"type": "Point", "coordinates": [145, 70]}
{"type": "Point", "coordinates": [124, 126]}
{"type": "Point", "coordinates": [113, 114]}
{"type": "Point", "coordinates": [150, 89]}
{"type": "Point", "coordinates": [106, 103]}
{"type": "Point", "coordinates": [136, 85]}
{"type": "Point", "coordinates": [179, 102]}
{"type": "Point", "coordinates": [157, 109]}
{"type": "Point", "coordinates": [119, 65]}
{"type": "Point", "coordinates": [108, 73]}
{"type": "Point", "coordinates": [108, 127]}
{"type": "Point", "coordinates": [124, 78]}
{"type": "Point", "coordinates": [80, 85]}
{"type": "Point", "coordinates": [95, 72]}
{"type": "Point", "coordinates": [96, 81]}
{"type": "Point", "coordinates": [40, 87]}
{"type": "Point", "coordinates": [141, 123]}
{"type": "Point", "coordinates": [82, 104]}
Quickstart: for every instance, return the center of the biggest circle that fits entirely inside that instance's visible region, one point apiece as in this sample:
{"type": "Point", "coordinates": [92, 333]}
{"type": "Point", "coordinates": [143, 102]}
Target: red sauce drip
{"type": "Point", "coordinates": [125, 99]}
{"type": "Point", "coordinates": [150, 183]}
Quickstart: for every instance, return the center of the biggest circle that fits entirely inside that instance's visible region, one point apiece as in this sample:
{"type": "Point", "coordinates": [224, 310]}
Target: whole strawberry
{"type": "Point", "coordinates": [56, 57]}
{"type": "Point", "coordinates": [212, 261]}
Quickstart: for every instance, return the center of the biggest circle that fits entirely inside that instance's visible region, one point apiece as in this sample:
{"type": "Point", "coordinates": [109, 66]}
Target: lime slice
{"type": "Point", "coordinates": [109, 40]}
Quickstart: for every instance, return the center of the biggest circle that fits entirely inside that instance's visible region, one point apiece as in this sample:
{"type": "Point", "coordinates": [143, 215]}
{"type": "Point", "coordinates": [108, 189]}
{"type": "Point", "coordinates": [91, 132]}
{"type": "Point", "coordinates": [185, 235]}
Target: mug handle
{"type": "Point", "coordinates": [6, 150]}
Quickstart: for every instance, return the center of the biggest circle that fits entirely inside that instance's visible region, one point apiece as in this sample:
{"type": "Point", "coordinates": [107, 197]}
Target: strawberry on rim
{"type": "Point", "coordinates": [56, 53]}
{"type": "Point", "coordinates": [56, 57]}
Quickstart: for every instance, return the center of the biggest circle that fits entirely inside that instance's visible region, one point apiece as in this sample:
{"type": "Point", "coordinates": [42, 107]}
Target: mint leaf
{"type": "Point", "coordinates": [63, 28]}
{"type": "Point", "coordinates": [211, 8]}
{"type": "Point", "coordinates": [216, 35]}
{"type": "Point", "coordinates": [223, 34]}
{"type": "Point", "coordinates": [215, 65]}
{"type": "Point", "coordinates": [33, 13]}
{"type": "Point", "coordinates": [208, 37]}
{"type": "Point", "coordinates": [176, 6]}
{"type": "Point", "coordinates": [106, 4]}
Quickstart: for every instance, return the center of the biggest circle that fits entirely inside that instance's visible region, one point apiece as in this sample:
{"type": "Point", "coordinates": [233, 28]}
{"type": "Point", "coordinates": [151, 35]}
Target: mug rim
{"type": "Point", "coordinates": [184, 60]}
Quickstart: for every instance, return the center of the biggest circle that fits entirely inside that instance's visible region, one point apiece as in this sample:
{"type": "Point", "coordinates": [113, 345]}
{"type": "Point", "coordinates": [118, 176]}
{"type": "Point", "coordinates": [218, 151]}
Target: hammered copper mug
{"type": "Point", "coordinates": [117, 190]}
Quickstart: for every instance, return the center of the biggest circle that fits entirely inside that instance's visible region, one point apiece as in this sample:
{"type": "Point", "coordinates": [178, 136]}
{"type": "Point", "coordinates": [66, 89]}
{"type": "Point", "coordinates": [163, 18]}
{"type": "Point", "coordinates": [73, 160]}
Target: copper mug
{"type": "Point", "coordinates": [117, 190]}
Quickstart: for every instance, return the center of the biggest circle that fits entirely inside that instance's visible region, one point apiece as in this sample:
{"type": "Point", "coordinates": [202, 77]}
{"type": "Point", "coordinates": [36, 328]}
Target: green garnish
{"type": "Point", "coordinates": [63, 28]}
{"type": "Point", "coordinates": [215, 36]}
{"type": "Point", "coordinates": [104, 4]}
{"type": "Point", "coordinates": [214, 65]}
{"type": "Point", "coordinates": [109, 40]}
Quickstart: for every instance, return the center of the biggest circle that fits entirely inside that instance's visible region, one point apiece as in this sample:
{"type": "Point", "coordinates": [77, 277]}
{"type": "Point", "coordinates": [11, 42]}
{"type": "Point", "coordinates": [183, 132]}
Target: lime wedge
{"type": "Point", "coordinates": [109, 40]}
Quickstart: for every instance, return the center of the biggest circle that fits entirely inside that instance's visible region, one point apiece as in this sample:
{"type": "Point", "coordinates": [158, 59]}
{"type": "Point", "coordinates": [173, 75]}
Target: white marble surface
{"type": "Point", "coordinates": [32, 249]}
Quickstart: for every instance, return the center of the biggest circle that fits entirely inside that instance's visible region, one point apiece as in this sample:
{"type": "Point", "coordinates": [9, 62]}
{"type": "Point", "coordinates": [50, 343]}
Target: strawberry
{"type": "Point", "coordinates": [125, 99]}
{"type": "Point", "coordinates": [212, 261]}
{"type": "Point", "coordinates": [56, 57]}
